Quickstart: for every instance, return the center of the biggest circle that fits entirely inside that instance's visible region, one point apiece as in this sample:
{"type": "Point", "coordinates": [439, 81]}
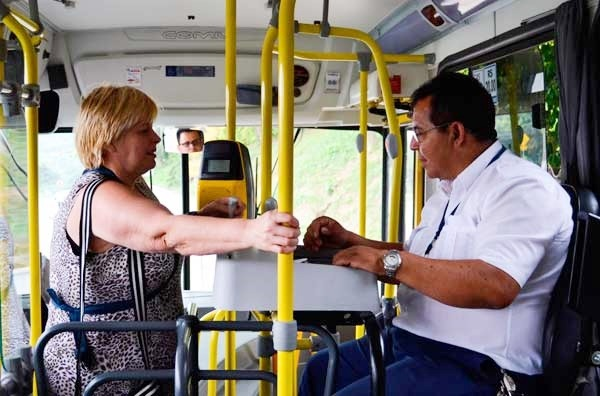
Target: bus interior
{"type": "Point", "coordinates": [328, 85]}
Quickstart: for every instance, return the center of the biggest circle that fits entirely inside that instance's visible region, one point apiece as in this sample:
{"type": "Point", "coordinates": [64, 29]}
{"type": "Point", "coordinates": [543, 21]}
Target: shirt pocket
{"type": "Point", "coordinates": [457, 239]}
{"type": "Point", "coordinates": [418, 239]}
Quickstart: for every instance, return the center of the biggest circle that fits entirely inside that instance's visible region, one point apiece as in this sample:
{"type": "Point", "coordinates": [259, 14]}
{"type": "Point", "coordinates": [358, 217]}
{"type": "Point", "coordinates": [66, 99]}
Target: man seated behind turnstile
{"type": "Point", "coordinates": [475, 276]}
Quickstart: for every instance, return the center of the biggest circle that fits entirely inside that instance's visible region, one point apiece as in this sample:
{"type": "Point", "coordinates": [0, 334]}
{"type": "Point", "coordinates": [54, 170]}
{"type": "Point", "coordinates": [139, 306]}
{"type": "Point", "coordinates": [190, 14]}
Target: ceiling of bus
{"type": "Point", "coordinates": [107, 14]}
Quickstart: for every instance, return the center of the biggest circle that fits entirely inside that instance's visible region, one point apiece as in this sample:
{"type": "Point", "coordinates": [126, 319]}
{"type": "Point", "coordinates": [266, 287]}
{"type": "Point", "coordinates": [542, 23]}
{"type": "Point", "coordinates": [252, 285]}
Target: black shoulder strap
{"type": "Point", "coordinates": [137, 281]}
{"type": "Point", "coordinates": [85, 234]}
{"type": "Point", "coordinates": [82, 351]}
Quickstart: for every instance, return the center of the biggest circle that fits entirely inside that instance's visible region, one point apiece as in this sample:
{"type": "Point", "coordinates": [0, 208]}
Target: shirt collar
{"type": "Point", "coordinates": [467, 177]}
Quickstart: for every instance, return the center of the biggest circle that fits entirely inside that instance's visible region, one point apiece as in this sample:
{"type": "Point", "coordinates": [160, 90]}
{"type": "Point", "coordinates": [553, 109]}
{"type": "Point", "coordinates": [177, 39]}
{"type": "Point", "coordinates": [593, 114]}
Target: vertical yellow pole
{"type": "Point", "coordinates": [362, 216]}
{"type": "Point", "coordinates": [230, 67]}
{"type": "Point", "coordinates": [419, 191]}
{"type": "Point", "coordinates": [266, 144]}
{"type": "Point", "coordinates": [266, 107]}
{"type": "Point", "coordinates": [4, 244]}
{"type": "Point", "coordinates": [285, 264]}
{"type": "Point", "coordinates": [211, 388]}
{"type": "Point", "coordinates": [230, 110]}
{"type": "Point", "coordinates": [31, 120]}
{"type": "Point", "coordinates": [362, 219]}
{"type": "Point", "coordinates": [230, 355]}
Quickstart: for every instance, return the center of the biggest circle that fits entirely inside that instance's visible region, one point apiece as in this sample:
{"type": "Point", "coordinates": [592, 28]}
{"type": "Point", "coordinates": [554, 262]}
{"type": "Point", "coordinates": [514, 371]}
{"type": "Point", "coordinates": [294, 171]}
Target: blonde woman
{"type": "Point", "coordinates": [134, 243]}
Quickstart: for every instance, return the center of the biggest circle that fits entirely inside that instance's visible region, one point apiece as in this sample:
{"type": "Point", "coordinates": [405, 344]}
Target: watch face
{"type": "Point", "coordinates": [391, 259]}
{"type": "Point", "coordinates": [391, 263]}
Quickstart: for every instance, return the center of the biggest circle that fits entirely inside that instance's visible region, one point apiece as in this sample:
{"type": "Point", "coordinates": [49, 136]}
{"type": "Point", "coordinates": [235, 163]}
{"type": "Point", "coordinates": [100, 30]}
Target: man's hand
{"type": "Point", "coordinates": [364, 258]}
{"type": "Point", "coordinates": [324, 232]}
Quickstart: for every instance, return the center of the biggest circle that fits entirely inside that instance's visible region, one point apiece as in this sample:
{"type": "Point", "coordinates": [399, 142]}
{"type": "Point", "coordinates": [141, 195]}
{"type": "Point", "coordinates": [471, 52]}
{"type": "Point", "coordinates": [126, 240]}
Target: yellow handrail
{"type": "Point", "coordinates": [362, 190]}
{"type": "Point", "coordinates": [362, 206]}
{"type": "Point", "coordinates": [26, 22]}
{"type": "Point", "coordinates": [394, 217]}
{"type": "Point", "coordinates": [419, 188]}
{"type": "Point", "coordinates": [211, 385]}
{"type": "Point", "coordinates": [353, 57]}
{"type": "Point", "coordinates": [230, 355]}
{"type": "Point", "coordinates": [230, 114]}
{"type": "Point", "coordinates": [230, 68]}
{"type": "Point", "coordinates": [285, 264]}
{"type": "Point", "coordinates": [31, 120]}
{"type": "Point", "coordinates": [266, 111]}
{"type": "Point", "coordinates": [4, 259]}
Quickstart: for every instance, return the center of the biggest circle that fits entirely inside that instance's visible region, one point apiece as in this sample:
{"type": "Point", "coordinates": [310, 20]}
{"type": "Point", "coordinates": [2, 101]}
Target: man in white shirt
{"type": "Point", "coordinates": [476, 275]}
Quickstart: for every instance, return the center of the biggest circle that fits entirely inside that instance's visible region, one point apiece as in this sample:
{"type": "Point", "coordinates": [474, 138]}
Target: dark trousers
{"type": "Point", "coordinates": [414, 366]}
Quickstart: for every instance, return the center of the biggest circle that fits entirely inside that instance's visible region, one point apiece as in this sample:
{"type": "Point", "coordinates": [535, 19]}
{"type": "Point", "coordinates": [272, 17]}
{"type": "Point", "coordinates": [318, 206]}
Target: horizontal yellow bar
{"type": "Point", "coordinates": [27, 23]}
{"type": "Point", "coordinates": [353, 57]}
{"type": "Point", "coordinates": [404, 119]}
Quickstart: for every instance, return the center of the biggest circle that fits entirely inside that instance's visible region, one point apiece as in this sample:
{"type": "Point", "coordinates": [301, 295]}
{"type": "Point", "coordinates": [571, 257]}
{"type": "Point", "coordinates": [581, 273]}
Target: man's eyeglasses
{"type": "Point", "coordinates": [417, 134]}
{"type": "Point", "coordinates": [191, 143]}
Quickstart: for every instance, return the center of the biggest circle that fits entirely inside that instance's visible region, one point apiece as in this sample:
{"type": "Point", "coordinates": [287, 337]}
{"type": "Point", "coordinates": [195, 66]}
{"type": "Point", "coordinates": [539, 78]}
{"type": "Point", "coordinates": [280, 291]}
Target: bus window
{"type": "Point", "coordinates": [319, 189]}
{"type": "Point", "coordinates": [525, 92]}
{"type": "Point", "coordinates": [408, 191]}
{"type": "Point", "coordinates": [326, 178]}
{"type": "Point", "coordinates": [13, 207]}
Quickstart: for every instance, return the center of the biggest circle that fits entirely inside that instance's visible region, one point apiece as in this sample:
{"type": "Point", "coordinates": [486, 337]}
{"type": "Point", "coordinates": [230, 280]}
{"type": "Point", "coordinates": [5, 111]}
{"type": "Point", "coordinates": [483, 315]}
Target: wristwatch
{"type": "Point", "coordinates": [391, 262]}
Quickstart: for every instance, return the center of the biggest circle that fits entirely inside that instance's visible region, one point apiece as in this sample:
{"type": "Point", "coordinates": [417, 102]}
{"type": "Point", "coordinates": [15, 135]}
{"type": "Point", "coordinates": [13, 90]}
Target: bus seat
{"type": "Point", "coordinates": [568, 333]}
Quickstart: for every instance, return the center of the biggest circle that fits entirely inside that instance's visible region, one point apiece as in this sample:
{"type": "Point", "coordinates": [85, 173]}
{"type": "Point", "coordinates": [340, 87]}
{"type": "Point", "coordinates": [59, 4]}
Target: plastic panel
{"type": "Point", "coordinates": [411, 32]}
{"type": "Point", "coordinates": [247, 280]}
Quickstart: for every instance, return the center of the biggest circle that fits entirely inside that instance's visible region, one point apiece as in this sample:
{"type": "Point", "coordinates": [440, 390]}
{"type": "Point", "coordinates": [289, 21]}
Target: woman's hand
{"type": "Point", "coordinates": [274, 231]}
{"type": "Point", "coordinates": [228, 207]}
{"type": "Point", "coordinates": [325, 232]}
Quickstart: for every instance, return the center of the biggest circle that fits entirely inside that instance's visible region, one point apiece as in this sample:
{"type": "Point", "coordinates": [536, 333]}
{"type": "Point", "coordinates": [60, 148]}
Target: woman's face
{"type": "Point", "coordinates": [136, 149]}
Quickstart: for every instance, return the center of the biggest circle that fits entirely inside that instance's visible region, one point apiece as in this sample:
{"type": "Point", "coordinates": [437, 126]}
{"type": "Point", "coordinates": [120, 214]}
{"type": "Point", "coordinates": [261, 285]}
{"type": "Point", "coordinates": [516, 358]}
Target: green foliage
{"type": "Point", "coordinates": [14, 206]}
{"type": "Point", "coordinates": [326, 169]}
{"type": "Point", "coordinates": [167, 172]}
{"type": "Point", "coordinates": [552, 104]}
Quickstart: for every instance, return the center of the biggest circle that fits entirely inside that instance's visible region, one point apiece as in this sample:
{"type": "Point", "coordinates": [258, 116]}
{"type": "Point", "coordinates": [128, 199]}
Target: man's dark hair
{"type": "Point", "coordinates": [459, 97]}
{"type": "Point", "coordinates": [189, 130]}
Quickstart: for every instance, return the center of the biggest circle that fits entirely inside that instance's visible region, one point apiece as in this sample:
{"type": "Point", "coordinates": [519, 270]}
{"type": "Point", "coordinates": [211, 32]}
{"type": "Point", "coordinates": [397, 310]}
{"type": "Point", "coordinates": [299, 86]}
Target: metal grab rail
{"type": "Point", "coordinates": [373, 333]}
{"type": "Point", "coordinates": [38, 353]}
{"type": "Point", "coordinates": [127, 375]}
{"type": "Point", "coordinates": [187, 373]}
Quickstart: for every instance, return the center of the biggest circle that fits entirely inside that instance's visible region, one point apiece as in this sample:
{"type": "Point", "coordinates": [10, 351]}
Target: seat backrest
{"type": "Point", "coordinates": [567, 333]}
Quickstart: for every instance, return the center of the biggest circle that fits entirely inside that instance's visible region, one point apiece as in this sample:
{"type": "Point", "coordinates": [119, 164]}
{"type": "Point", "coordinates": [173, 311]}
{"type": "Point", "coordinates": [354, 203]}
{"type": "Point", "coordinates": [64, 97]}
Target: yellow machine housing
{"type": "Point", "coordinates": [226, 171]}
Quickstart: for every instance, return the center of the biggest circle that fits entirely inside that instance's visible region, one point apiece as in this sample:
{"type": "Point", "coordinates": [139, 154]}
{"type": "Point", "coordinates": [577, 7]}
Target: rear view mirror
{"type": "Point", "coordinates": [49, 104]}
{"type": "Point", "coordinates": [538, 116]}
{"type": "Point", "coordinates": [48, 112]}
{"type": "Point", "coordinates": [185, 140]}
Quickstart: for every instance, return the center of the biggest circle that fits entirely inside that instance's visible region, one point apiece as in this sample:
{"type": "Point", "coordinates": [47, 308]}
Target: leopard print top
{"type": "Point", "coordinates": [107, 280]}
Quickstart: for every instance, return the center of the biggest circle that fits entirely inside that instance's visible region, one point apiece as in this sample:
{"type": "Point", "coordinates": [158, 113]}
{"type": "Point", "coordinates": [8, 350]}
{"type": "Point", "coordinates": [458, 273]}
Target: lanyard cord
{"type": "Point", "coordinates": [443, 221]}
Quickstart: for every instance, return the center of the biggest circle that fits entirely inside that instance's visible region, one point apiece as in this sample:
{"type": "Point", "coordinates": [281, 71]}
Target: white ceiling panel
{"type": "Point", "coordinates": [106, 14]}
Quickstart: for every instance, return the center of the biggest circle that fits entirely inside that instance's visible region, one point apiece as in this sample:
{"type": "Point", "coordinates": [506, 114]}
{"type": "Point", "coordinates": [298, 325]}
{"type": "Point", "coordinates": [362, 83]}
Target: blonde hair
{"type": "Point", "coordinates": [106, 113]}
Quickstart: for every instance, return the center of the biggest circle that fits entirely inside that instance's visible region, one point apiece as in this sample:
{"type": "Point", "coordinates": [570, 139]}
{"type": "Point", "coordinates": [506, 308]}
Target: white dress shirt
{"type": "Point", "coordinates": [512, 215]}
